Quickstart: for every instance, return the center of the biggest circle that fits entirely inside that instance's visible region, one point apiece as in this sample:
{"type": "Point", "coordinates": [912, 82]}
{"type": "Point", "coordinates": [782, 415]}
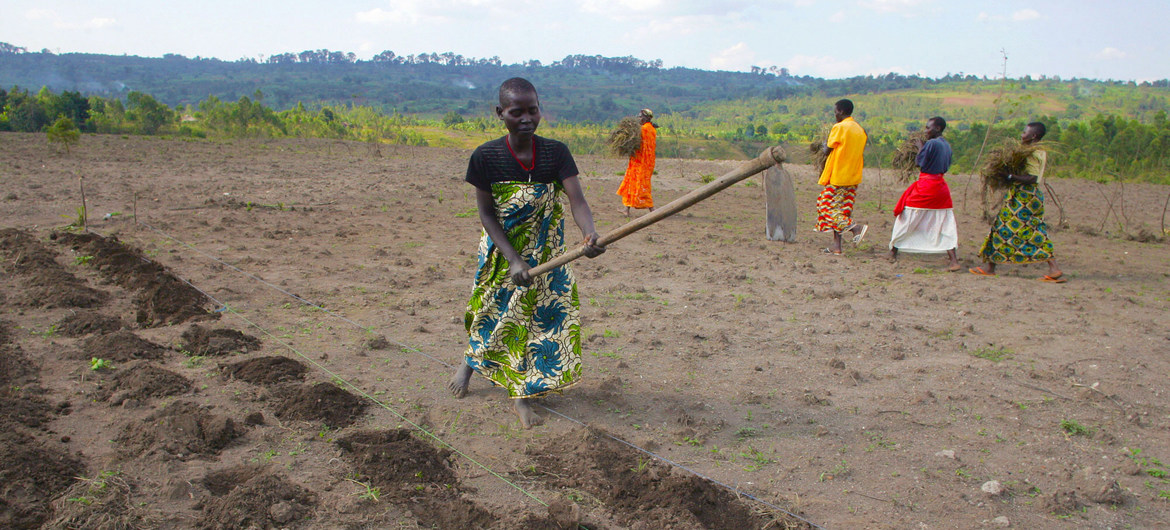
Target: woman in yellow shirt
{"type": "Point", "coordinates": [841, 176]}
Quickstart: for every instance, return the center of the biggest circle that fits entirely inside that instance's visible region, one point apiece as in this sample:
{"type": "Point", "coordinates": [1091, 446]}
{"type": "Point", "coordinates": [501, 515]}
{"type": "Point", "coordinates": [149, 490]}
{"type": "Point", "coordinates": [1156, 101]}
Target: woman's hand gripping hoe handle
{"type": "Point", "coordinates": [770, 157]}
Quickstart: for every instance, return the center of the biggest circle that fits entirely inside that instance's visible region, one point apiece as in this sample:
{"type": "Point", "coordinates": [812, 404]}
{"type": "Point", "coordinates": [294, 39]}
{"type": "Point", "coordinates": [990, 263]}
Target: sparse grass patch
{"type": "Point", "coordinates": [757, 458]}
{"type": "Point", "coordinates": [746, 432]}
{"type": "Point", "coordinates": [877, 440]}
{"type": "Point", "coordinates": [840, 470]}
{"type": "Point", "coordinates": [1073, 428]}
{"type": "Point", "coordinates": [48, 333]}
{"type": "Point", "coordinates": [993, 353]}
{"type": "Point", "coordinates": [367, 492]}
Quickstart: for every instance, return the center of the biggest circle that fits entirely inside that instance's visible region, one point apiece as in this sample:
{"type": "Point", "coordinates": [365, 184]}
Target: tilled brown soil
{"type": "Point", "coordinates": [268, 345]}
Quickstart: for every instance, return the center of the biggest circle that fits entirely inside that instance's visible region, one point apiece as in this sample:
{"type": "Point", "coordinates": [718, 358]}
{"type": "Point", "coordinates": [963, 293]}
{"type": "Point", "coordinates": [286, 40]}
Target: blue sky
{"type": "Point", "coordinates": [1095, 39]}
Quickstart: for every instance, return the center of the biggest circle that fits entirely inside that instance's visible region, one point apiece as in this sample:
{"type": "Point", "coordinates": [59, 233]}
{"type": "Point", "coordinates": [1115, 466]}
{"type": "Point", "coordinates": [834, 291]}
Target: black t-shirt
{"type": "Point", "coordinates": [493, 162]}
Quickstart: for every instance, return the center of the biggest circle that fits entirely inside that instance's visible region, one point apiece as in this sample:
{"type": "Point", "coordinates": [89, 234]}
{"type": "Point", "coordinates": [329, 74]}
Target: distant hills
{"type": "Point", "coordinates": [577, 88]}
{"type": "Point", "coordinates": [1102, 129]}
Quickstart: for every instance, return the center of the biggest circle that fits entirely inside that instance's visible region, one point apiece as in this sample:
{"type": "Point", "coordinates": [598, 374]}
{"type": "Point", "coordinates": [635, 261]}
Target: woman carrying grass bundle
{"type": "Point", "coordinates": [635, 187]}
{"type": "Point", "coordinates": [524, 333]}
{"type": "Point", "coordinates": [924, 218]}
{"type": "Point", "coordinates": [1018, 234]}
{"type": "Point", "coordinates": [841, 176]}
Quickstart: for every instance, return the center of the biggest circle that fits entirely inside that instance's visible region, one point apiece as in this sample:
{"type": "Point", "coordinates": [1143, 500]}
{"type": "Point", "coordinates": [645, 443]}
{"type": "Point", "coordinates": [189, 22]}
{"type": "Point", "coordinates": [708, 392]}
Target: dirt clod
{"type": "Point", "coordinates": [324, 402]}
{"type": "Point", "coordinates": [266, 370]}
{"type": "Point", "coordinates": [216, 342]}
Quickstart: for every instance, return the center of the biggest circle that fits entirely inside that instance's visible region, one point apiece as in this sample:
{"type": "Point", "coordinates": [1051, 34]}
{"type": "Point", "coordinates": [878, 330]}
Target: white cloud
{"type": "Point", "coordinates": [98, 23]}
{"type": "Point", "coordinates": [40, 14]}
{"type": "Point", "coordinates": [603, 7]}
{"type": "Point", "coordinates": [738, 57]}
{"type": "Point", "coordinates": [823, 66]}
{"type": "Point", "coordinates": [905, 7]}
{"type": "Point", "coordinates": [378, 16]}
{"type": "Point", "coordinates": [60, 23]}
{"type": "Point", "coordinates": [1109, 54]}
{"type": "Point", "coordinates": [651, 10]}
{"type": "Point", "coordinates": [433, 11]}
{"type": "Point", "coordinates": [837, 17]}
{"type": "Point", "coordinates": [1025, 15]}
{"type": "Point", "coordinates": [692, 24]}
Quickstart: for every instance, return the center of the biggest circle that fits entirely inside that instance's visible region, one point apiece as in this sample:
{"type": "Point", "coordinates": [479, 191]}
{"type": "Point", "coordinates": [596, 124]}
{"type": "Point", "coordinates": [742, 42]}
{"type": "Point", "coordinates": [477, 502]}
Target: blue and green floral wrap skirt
{"type": "Point", "coordinates": [526, 339]}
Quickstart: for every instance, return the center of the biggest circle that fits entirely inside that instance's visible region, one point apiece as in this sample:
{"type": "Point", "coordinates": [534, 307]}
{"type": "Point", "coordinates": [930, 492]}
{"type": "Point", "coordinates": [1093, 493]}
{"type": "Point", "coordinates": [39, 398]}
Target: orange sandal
{"type": "Point", "coordinates": [978, 271]}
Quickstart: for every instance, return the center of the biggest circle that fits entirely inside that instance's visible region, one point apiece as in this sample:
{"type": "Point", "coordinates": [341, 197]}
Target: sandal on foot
{"type": "Point", "coordinates": [978, 271]}
{"type": "Point", "coordinates": [831, 251]}
{"type": "Point", "coordinates": [1053, 279]}
{"type": "Point", "coordinates": [857, 238]}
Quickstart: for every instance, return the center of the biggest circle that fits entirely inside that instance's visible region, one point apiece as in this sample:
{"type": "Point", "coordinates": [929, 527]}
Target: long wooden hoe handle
{"type": "Point", "coordinates": [770, 157]}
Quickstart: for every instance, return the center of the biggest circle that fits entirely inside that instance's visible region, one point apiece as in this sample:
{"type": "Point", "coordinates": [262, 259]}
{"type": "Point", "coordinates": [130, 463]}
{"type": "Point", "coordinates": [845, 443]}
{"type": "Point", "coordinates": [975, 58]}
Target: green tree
{"type": "Point", "coordinates": [63, 132]}
{"type": "Point", "coordinates": [27, 116]}
{"type": "Point", "coordinates": [71, 105]}
{"type": "Point", "coordinates": [106, 116]}
{"type": "Point", "coordinates": [147, 113]}
{"type": "Point", "coordinates": [452, 118]}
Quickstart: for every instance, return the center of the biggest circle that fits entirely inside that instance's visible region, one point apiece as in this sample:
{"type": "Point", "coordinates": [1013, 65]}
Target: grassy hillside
{"type": "Point", "coordinates": [1099, 129]}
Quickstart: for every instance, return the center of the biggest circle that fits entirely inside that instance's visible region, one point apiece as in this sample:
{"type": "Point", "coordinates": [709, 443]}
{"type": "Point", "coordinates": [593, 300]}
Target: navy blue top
{"type": "Point", "coordinates": [493, 162]}
{"type": "Point", "coordinates": [935, 156]}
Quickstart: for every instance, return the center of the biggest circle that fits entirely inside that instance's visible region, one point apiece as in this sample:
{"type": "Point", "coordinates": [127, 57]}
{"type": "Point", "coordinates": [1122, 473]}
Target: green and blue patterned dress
{"type": "Point", "coordinates": [1019, 234]}
{"type": "Point", "coordinates": [526, 339]}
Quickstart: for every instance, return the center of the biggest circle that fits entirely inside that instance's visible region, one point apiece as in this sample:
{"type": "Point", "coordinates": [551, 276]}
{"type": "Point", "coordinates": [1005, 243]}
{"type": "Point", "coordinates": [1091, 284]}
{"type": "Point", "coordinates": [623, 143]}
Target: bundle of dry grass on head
{"type": "Point", "coordinates": [905, 158]}
{"type": "Point", "coordinates": [627, 137]}
{"type": "Point", "coordinates": [1011, 158]}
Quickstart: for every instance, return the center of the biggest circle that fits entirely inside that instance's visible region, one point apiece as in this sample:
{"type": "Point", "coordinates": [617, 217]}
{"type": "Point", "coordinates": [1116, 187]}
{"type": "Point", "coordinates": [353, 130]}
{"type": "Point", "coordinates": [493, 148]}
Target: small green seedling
{"type": "Point", "coordinates": [98, 365]}
{"type": "Point", "coordinates": [1075, 429]}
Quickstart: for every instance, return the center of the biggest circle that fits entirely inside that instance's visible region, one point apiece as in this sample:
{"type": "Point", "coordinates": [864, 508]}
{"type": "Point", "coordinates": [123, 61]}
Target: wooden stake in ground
{"type": "Point", "coordinates": [770, 157]}
{"type": "Point", "coordinates": [84, 211]}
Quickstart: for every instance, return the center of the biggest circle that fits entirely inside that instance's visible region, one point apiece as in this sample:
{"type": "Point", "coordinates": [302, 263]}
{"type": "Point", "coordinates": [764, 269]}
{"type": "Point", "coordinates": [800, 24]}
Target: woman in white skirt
{"type": "Point", "coordinates": [924, 218]}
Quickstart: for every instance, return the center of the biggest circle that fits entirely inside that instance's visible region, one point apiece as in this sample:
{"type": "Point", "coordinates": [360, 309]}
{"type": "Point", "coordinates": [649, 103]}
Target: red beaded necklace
{"type": "Point", "coordinates": [528, 169]}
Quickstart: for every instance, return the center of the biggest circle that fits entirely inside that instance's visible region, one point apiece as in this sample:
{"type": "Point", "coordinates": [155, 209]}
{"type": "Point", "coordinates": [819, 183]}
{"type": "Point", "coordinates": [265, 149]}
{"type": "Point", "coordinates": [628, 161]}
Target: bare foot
{"type": "Point", "coordinates": [458, 383]}
{"type": "Point", "coordinates": [528, 417]}
{"type": "Point", "coordinates": [954, 268]}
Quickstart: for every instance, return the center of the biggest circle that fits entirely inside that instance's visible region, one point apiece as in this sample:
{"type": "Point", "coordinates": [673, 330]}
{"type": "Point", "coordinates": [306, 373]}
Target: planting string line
{"type": "Point", "coordinates": [652, 454]}
{"type": "Point", "coordinates": [336, 377]}
{"type": "Point", "coordinates": [734, 489]}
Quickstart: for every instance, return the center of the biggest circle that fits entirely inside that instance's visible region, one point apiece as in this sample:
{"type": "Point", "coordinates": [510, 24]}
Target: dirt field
{"type": "Point", "coordinates": [308, 391]}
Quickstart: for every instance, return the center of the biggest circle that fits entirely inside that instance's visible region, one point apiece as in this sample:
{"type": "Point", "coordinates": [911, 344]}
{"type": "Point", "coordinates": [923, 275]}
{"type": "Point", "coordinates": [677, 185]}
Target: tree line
{"type": "Point", "coordinates": [582, 88]}
{"type": "Point", "coordinates": [1104, 146]}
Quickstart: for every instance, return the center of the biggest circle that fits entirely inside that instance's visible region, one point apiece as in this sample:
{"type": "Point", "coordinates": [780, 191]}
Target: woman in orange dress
{"type": "Point", "coordinates": [635, 188]}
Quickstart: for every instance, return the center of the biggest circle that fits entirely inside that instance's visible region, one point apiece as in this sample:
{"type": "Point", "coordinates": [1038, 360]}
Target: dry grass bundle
{"type": "Point", "coordinates": [817, 151]}
{"type": "Point", "coordinates": [905, 157]}
{"type": "Point", "coordinates": [1009, 159]}
{"type": "Point", "coordinates": [626, 138]}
